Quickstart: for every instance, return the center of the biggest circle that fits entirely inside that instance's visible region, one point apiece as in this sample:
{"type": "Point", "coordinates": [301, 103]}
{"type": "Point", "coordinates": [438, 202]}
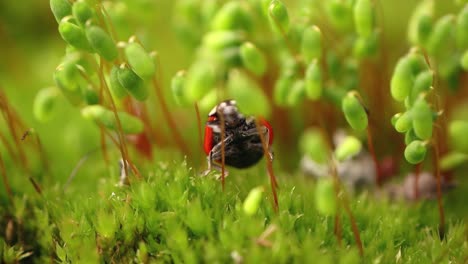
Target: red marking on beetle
{"type": "Point", "coordinates": [208, 141]}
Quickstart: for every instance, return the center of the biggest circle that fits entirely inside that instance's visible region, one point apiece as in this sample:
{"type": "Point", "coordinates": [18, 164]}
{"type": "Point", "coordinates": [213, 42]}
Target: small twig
{"type": "Point", "coordinates": [223, 147]}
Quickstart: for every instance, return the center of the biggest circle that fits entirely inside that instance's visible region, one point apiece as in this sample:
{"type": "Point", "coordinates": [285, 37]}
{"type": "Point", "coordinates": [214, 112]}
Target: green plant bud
{"type": "Point", "coordinates": [311, 44]}
{"type": "Point", "coordinates": [422, 119]}
{"type": "Point", "coordinates": [325, 197]}
{"type": "Point", "coordinates": [222, 39]}
{"type": "Point", "coordinates": [206, 102]}
{"type": "Point", "coordinates": [44, 104]}
{"type": "Point", "coordinates": [282, 87]}
{"type": "Point", "coordinates": [354, 112]}
{"type": "Point", "coordinates": [410, 136]}
{"type": "Point", "coordinates": [453, 160]}
{"type": "Point", "coordinates": [441, 35]}
{"type": "Point", "coordinates": [82, 12]}
{"type": "Point", "coordinates": [130, 124]}
{"type": "Point", "coordinates": [415, 152]}
{"type": "Point", "coordinates": [178, 87]}
{"type": "Point", "coordinates": [314, 146]}
{"type": "Point", "coordinates": [364, 18]}
{"type": "Point", "coordinates": [458, 131]}
{"type": "Point", "coordinates": [422, 84]}
{"type": "Point", "coordinates": [296, 93]}
{"type": "Point", "coordinates": [232, 15]}
{"type": "Point", "coordinates": [278, 15]}
{"type": "Point", "coordinates": [101, 42]}
{"type": "Point", "coordinates": [140, 60]}
{"type": "Point", "coordinates": [462, 28]}
{"type": "Point", "coordinates": [348, 148]}
{"type": "Point", "coordinates": [420, 24]}
{"type": "Point", "coordinates": [253, 201]}
{"type": "Point", "coordinates": [464, 60]}
{"type": "Point", "coordinates": [249, 96]}
{"type": "Point", "coordinates": [253, 59]}
{"type": "Point", "coordinates": [74, 35]}
{"type": "Point", "coordinates": [60, 9]}
{"type": "Point", "coordinates": [402, 79]}
{"type": "Point", "coordinates": [200, 80]}
{"type": "Point", "coordinates": [132, 83]}
{"type": "Point", "coordinates": [116, 88]}
{"type": "Point", "coordinates": [365, 46]}
{"type": "Point", "coordinates": [313, 81]}
{"type": "Point", "coordinates": [395, 118]}
{"type": "Point", "coordinates": [340, 14]}
{"type": "Point", "coordinates": [90, 96]}
{"type": "Point", "coordinates": [404, 122]}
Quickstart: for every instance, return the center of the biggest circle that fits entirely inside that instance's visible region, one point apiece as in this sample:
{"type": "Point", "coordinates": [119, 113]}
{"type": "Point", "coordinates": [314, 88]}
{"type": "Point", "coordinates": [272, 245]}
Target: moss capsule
{"type": "Point", "coordinates": [313, 81]}
{"type": "Point", "coordinates": [350, 147]}
{"type": "Point", "coordinates": [402, 79]}
{"type": "Point", "coordinates": [74, 35]}
{"type": "Point", "coordinates": [422, 119]}
{"type": "Point", "coordinates": [441, 35]}
{"type": "Point", "coordinates": [354, 112]}
{"type": "Point", "coordinates": [178, 87]}
{"type": "Point", "coordinates": [325, 198]}
{"type": "Point", "coordinates": [279, 18]}
{"type": "Point", "coordinates": [82, 12]}
{"type": "Point", "coordinates": [60, 9]}
{"type": "Point", "coordinates": [314, 146]}
{"type": "Point", "coordinates": [253, 201]}
{"type": "Point", "coordinates": [311, 44]}
{"type": "Point", "coordinates": [44, 104]}
{"type": "Point", "coordinates": [132, 83]}
{"type": "Point", "coordinates": [101, 42]}
{"type": "Point", "coordinates": [404, 122]}
{"type": "Point", "coordinates": [200, 80]}
{"type": "Point", "coordinates": [458, 131]}
{"type": "Point", "coordinates": [232, 15]}
{"type": "Point", "coordinates": [116, 88]}
{"type": "Point", "coordinates": [252, 58]}
{"type": "Point", "coordinates": [415, 152]}
{"type": "Point", "coordinates": [140, 60]}
{"type": "Point", "coordinates": [363, 17]}
{"type": "Point", "coordinates": [462, 28]}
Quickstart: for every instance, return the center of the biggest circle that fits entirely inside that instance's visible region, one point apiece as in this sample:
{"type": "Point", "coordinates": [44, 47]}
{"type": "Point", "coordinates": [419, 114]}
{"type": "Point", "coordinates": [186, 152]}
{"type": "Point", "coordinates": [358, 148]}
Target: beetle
{"type": "Point", "coordinates": [242, 142]}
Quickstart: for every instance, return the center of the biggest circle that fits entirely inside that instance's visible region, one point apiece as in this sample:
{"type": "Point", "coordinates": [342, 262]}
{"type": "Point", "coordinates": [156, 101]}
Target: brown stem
{"type": "Point", "coordinates": [354, 227]}
{"type": "Point", "coordinates": [36, 185]}
{"type": "Point", "coordinates": [105, 155]}
{"type": "Point", "coordinates": [223, 146]}
{"type": "Point", "coordinates": [439, 190]}
{"type": "Point", "coordinates": [370, 144]}
{"type": "Point", "coordinates": [9, 148]}
{"type": "Point", "coordinates": [336, 185]}
{"type": "Point", "coordinates": [271, 174]}
{"type": "Point", "coordinates": [5, 179]}
{"type": "Point", "coordinates": [199, 126]}
{"type": "Point", "coordinates": [337, 229]}
{"type": "Point", "coordinates": [169, 119]}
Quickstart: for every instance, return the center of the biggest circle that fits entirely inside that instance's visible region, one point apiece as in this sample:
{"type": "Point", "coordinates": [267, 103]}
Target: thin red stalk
{"type": "Point", "coordinates": [5, 179]}
{"type": "Point", "coordinates": [336, 185]}
{"type": "Point", "coordinates": [370, 144]}
{"type": "Point", "coordinates": [8, 147]}
{"type": "Point", "coordinates": [199, 126]}
{"type": "Point", "coordinates": [337, 229]}
{"type": "Point", "coordinates": [122, 145]}
{"type": "Point", "coordinates": [105, 155]}
{"type": "Point", "coordinates": [439, 189]}
{"type": "Point", "coordinates": [354, 227]}
{"type": "Point", "coordinates": [271, 174]}
{"type": "Point", "coordinates": [169, 119]}
{"type": "Point", "coordinates": [223, 153]}
{"type": "Point", "coordinates": [36, 185]}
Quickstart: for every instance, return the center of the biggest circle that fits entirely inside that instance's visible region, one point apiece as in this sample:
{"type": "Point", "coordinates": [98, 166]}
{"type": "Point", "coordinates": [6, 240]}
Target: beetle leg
{"type": "Point", "coordinates": [214, 155]}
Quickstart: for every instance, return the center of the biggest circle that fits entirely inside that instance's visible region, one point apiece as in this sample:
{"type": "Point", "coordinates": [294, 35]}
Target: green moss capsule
{"type": "Point", "coordinates": [350, 147]}
{"type": "Point", "coordinates": [130, 124]}
{"type": "Point", "coordinates": [252, 58]}
{"type": "Point", "coordinates": [453, 160]}
{"type": "Point", "coordinates": [340, 13]}
{"type": "Point", "coordinates": [281, 90]}
{"type": "Point", "coordinates": [422, 119]}
{"type": "Point", "coordinates": [366, 46]}
{"type": "Point", "coordinates": [363, 17]}
{"type": "Point", "coordinates": [101, 42]}
{"type": "Point", "coordinates": [415, 152]}
{"type": "Point", "coordinates": [44, 104]}
{"type": "Point", "coordinates": [462, 28]}
{"type": "Point", "coordinates": [74, 35]}
{"type": "Point", "coordinates": [253, 201]}
{"type": "Point", "coordinates": [404, 122]}
{"type": "Point", "coordinates": [354, 112]}
{"type": "Point", "coordinates": [200, 80]}
{"type": "Point", "coordinates": [232, 15]}
{"type": "Point", "coordinates": [441, 35]}
{"type": "Point", "coordinates": [278, 15]}
{"type": "Point", "coordinates": [221, 39]}
{"type": "Point", "coordinates": [410, 136]}
{"type": "Point", "coordinates": [325, 197]}
{"type": "Point", "coordinates": [402, 79]}
{"type": "Point", "coordinates": [132, 83]}
{"type": "Point", "coordinates": [458, 131]}
{"type": "Point", "coordinates": [140, 60]}
{"type": "Point", "coordinates": [422, 84]}
{"type": "Point", "coordinates": [116, 88]}
{"type": "Point", "coordinates": [313, 81]}
{"type": "Point", "coordinates": [296, 93]}
{"type": "Point", "coordinates": [60, 9]}
{"type": "Point", "coordinates": [311, 44]}
{"type": "Point", "coordinates": [90, 96]}
{"type": "Point", "coordinates": [421, 23]}
{"type": "Point", "coordinates": [313, 144]}
{"type": "Point", "coordinates": [82, 12]}
{"type": "Point", "coordinates": [178, 87]}
{"type": "Point", "coordinates": [249, 96]}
